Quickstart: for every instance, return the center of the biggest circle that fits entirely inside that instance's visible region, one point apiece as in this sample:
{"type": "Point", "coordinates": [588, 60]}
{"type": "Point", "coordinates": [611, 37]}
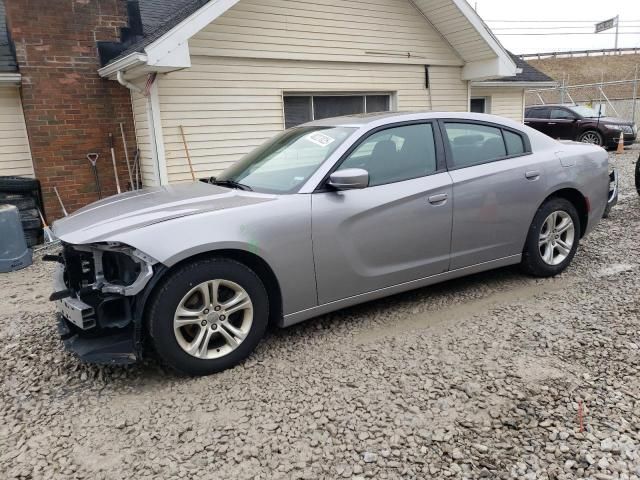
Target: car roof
{"type": "Point", "coordinates": [378, 119]}
{"type": "Point", "coordinates": [553, 105]}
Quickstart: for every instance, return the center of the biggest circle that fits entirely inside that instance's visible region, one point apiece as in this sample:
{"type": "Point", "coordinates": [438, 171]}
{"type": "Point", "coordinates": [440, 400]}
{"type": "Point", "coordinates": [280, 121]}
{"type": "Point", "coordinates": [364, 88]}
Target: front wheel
{"type": "Point", "coordinates": [591, 136]}
{"type": "Point", "coordinates": [208, 316]}
{"type": "Point", "coordinates": [552, 240]}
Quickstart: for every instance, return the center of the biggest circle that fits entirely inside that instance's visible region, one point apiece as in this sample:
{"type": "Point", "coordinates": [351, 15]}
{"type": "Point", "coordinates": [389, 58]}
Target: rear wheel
{"type": "Point", "coordinates": [553, 238]}
{"type": "Point", "coordinates": [591, 136]}
{"type": "Point", "coordinates": [208, 316]}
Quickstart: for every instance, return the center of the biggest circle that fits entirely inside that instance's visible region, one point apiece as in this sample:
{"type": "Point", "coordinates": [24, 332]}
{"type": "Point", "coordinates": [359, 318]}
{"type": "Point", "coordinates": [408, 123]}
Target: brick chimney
{"type": "Point", "coordinates": [69, 110]}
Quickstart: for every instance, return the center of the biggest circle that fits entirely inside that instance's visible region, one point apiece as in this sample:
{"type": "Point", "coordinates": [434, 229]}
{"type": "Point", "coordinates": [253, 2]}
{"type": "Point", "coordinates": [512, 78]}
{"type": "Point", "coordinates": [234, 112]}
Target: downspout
{"type": "Point", "coordinates": [127, 84]}
{"type": "Point", "coordinates": [150, 92]}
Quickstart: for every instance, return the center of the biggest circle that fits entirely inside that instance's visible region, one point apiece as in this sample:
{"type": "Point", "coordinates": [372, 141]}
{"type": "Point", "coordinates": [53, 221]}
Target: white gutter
{"type": "Point", "coordinates": [132, 60]}
{"type": "Point", "coordinates": [10, 78]}
{"type": "Point", "coordinates": [506, 83]}
{"type": "Point", "coordinates": [129, 85]}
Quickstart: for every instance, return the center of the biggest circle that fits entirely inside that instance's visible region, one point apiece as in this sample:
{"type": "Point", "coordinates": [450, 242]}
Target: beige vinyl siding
{"type": "Point", "coordinates": [229, 106]}
{"type": "Point", "coordinates": [448, 91]}
{"type": "Point", "coordinates": [504, 101]}
{"type": "Point", "coordinates": [140, 105]}
{"type": "Point", "coordinates": [15, 154]}
{"type": "Point", "coordinates": [381, 31]}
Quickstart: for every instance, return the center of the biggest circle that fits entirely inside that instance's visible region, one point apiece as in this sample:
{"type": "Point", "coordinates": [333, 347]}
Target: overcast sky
{"type": "Point", "coordinates": [555, 23]}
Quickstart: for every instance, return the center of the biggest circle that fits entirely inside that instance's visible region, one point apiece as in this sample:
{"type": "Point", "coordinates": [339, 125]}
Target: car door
{"type": "Point", "coordinates": [497, 187]}
{"type": "Point", "coordinates": [538, 118]}
{"type": "Point", "coordinates": [395, 230]}
{"type": "Point", "coordinates": [562, 124]}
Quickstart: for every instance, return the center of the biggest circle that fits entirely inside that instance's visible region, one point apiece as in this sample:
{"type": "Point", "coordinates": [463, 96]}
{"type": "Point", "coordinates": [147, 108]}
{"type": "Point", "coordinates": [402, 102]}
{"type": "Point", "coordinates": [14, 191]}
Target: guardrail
{"type": "Point", "coordinates": [582, 53]}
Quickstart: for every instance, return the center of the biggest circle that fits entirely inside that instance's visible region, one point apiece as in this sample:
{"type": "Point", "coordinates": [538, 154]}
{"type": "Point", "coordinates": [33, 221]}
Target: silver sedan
{"type": "Point", "coordinates": [323, 216]}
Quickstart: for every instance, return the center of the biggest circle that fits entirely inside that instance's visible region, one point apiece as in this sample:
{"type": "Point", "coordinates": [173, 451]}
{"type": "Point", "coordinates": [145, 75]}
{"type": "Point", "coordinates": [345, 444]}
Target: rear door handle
{"type": "Point", "coordinates": [438, 199]}
{"type": "Point", "coordinates": [551, 123]}
{"type": "Point", "coordinates": [532, 174]}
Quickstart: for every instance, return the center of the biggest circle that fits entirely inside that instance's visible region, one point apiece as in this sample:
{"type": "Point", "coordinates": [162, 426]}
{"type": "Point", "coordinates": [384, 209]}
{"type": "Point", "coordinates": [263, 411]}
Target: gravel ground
{"type": "Point", "coordinates": [481, 377]}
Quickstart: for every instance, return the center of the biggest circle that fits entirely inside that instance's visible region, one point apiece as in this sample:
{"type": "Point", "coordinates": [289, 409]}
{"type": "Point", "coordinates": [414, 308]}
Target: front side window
{"type": "Point", "coordinates": [299, 109]}
{"type": "Point", "coordinates": [395, 154]}
{"type": "Point", "coordinates": [561, 113]}
{"type": "Point", "coordinates": [285, 163]}
{"type": "Point", "coordinates": [472, 144]}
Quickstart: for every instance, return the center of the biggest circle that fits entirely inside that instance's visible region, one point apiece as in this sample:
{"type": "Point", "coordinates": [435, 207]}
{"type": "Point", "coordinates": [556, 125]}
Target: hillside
{"type": "Point", "coordinates": [592, 69]}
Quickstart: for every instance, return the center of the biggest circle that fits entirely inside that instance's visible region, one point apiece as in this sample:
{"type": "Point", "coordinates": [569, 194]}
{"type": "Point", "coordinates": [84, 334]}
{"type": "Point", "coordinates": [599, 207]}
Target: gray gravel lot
{"type": "Point", "coordinates": [477, 378]}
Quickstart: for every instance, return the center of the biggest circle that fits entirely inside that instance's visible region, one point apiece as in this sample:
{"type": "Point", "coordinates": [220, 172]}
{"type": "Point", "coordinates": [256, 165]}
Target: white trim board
{"type": "Point", "coordinates": [10, 78]}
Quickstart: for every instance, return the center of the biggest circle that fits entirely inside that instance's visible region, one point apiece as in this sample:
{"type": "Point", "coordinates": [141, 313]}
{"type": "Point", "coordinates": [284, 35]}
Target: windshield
{"type": "Point", "coordinates": [585, 111]}
{"type": "Point", "coordinates": [285, 163]}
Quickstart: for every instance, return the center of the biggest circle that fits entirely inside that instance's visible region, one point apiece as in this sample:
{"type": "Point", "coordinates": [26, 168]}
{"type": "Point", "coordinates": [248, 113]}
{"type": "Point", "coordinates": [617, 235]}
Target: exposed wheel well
{"type": "Point", "coordinates": [578, 201]}
{"type": "Point", "coordinates": [259, 266]}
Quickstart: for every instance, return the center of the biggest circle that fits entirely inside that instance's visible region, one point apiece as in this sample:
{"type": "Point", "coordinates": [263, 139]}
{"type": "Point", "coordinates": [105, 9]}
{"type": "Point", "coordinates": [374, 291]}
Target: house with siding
{"type": "Point", "coordinates": [233, 73]}
{"type": "Point", "coordinates": [15, 154]}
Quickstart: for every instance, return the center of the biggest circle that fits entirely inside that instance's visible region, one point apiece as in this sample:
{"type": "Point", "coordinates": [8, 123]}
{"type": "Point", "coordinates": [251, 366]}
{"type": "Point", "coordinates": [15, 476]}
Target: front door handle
{"type": "Point", "coordinates": [532, 175]}
{"type": "Point", "coordinates": [551, 123]}
{"type": "Point", "coordinates": [438, 199]}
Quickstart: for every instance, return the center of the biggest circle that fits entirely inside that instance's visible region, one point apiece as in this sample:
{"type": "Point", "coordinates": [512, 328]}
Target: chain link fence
{"type": "Point", "coordinates": [614, 98]}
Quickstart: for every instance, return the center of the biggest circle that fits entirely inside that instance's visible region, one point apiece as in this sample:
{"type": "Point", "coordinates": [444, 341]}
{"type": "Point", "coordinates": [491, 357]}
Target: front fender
{"type": "Point", "coordinates": [279, 234]}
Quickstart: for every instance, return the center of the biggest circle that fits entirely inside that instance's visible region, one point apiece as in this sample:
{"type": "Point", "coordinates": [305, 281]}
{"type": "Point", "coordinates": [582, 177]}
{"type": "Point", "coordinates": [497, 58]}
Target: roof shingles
{"type": "Point", "coordinates": [7, 57]}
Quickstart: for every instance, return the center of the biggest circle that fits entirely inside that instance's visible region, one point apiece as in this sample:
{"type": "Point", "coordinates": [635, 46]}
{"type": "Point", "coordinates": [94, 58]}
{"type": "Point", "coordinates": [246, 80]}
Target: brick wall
{"type": "Point", "coordinates": [69, 110]}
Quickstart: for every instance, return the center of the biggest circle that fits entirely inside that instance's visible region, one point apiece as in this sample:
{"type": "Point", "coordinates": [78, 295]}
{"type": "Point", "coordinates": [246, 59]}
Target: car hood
{"type": "Point", "coordinates": [106, 218]}
{"type": "Point", "coordinates": [613, 120]}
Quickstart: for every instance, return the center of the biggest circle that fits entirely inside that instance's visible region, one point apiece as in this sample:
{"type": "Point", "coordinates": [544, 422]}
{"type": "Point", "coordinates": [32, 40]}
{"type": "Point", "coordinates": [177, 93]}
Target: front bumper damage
{"type": "Point", "coordinates": [100, 293]}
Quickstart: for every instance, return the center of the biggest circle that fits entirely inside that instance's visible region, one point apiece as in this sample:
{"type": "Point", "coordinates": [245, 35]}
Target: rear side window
{"type": "Point", "coordinates": [539, 112]}
{"type": "Point", "coordinates": [473, 144]}
{"type": "Point", "coordinates": [515, 143]}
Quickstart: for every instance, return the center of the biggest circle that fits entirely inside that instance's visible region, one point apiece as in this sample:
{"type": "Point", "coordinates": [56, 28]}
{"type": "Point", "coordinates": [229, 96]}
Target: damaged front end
{"type": "Point", "coordinates": [100, 293]}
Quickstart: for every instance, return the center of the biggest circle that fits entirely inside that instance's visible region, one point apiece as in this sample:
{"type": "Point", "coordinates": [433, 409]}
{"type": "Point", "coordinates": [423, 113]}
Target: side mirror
{"type": "Point", "coordinates": [349, 179]}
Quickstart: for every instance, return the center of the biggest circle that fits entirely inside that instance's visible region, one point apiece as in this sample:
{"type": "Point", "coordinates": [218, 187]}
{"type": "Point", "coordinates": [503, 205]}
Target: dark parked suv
{"type": "Point", "coordinates": [580, 123]}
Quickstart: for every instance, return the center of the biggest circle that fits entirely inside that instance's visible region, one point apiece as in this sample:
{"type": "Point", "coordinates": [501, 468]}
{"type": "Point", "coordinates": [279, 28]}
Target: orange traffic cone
{"type": "Point", "coordinates": [620, 148]}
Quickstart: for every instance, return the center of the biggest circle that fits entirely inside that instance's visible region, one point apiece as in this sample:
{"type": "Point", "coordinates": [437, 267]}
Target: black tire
{"type": "Point", "coordinates": [20, 201]}
{"type": "Point", "coordinates": [588, 133]}
{"type": "Point", "coordinates": [532, 262]}
{"type": "Point", "coordinates": [29, 214]}
{"type": "Point", "coordinates": [32, 237]}
{"type": "Point", "coordinates": [30, 223]}
{"type": "Point", "coordinates": [18, 184]}
{"type": "Point", "coordinates": [165, 300]}
{"type": "Point", "coordinates": [638, 175]}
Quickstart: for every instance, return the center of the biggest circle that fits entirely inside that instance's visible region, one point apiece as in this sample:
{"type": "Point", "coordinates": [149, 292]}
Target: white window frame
{"type": "Point", "coordinates": [487, 102]}
{"type": "Point", "coordinates": [363, 94]}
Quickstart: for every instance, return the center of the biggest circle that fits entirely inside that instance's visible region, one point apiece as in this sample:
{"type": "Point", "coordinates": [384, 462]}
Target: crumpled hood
{"type": "Point", "coordinates": [108, 217]}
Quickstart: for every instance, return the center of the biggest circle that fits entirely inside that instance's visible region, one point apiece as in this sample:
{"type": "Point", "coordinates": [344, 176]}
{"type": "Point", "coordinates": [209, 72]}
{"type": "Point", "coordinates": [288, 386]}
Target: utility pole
{"type": "Point", "coordinates": [635, 94]}
{"type": "Point", "coordinates": [617, 22]}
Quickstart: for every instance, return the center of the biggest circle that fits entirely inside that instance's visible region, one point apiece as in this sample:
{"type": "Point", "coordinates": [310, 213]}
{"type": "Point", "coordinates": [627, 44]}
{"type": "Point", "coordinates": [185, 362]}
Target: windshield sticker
{"type": "Point", "coordinates": [320, 139]}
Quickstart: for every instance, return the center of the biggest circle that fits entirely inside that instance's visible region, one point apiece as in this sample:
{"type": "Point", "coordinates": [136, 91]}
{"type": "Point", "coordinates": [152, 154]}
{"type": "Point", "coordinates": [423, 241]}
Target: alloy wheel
{"type": "Point", "coordinates": [590, 137]}
{"type": "Point", "coordinates": [213, 319]}
{"type": "Point", "coordinates": [556, 237]}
